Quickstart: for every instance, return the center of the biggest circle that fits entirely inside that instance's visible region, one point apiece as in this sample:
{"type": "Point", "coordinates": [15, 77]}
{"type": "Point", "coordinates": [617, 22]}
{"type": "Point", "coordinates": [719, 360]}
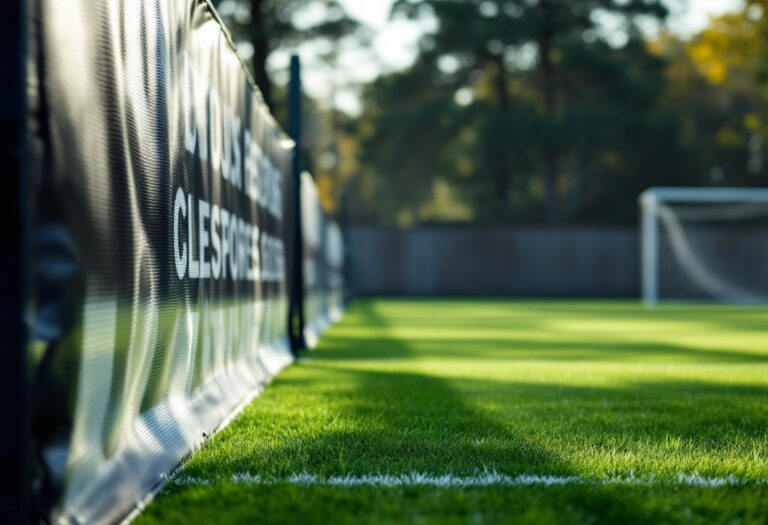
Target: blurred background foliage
{"type": "Point", "coordinates": [524, 111]}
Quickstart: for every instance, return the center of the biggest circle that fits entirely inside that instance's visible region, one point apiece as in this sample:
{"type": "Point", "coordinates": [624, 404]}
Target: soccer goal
{"type": "Point", "coordinates": [704, 244]}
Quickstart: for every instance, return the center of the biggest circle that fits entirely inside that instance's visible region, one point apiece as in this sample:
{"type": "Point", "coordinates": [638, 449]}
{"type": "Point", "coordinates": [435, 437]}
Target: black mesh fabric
{"type": "Point", "coordinates": [323, 264]}
{"type": "Point", "coordinates": [161, 186]}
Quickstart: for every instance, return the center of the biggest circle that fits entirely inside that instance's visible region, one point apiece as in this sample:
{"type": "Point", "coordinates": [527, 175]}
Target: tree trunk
{"type": "Point", "coordinates": [551, 155]}
{"type": "Point", "coordinates": [501, 171]}
{"type": "Point", "coordinates": [261, 51]}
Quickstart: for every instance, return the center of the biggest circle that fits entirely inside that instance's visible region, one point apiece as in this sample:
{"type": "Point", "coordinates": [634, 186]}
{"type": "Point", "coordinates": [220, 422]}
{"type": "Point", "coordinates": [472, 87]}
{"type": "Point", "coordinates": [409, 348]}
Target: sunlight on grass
{"type": "Point", "coordinates": [589, 389]}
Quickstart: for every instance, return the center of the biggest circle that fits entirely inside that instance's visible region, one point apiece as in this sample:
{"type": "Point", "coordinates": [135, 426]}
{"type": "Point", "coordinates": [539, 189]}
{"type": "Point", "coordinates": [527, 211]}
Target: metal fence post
{"type": "Point", "coordinates": [296, 308]}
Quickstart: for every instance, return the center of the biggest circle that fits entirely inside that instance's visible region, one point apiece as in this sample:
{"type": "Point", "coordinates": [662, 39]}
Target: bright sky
{"type": "Point", "coordinates": [394, 45]}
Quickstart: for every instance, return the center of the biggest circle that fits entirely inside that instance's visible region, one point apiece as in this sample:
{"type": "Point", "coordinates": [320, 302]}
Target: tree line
{"type": "Point", "coordinates": [534, 111]}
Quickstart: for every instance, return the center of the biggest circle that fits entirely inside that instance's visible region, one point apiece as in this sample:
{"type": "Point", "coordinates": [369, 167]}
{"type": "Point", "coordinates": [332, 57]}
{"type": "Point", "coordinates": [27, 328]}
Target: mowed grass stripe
{"type": "Point", "coordinates": [567, 390]}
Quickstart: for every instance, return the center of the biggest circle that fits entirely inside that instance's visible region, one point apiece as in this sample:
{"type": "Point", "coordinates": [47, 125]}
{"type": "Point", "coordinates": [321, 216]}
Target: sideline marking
{"type": "Point", "coordinates": [486, 479]}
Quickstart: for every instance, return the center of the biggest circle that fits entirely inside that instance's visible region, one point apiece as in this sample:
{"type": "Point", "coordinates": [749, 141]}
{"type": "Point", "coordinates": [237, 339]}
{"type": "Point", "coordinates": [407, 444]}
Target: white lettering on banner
{"type": "Point", "coordinates": [204, 213]}
{"type": "Point", "coordinates": [255, 272]}
{"type": "Point", "coordinates": [252, 155]}
{"type": "Point", "coordinates": [215, 243]}
{"type": "Point", "coordinates": [234, 152]}
{"type": "Point", "coordinates": [190, 124]}
{"type": "Point", "coordinates": [194, 264]}
{"type": "Point", "coordinates": [224, 242]}
{"type": "Point", "coordinates": [180, 256]}
{"type": "Point", "coordinates": [217, 240]}
{"type": "Point", "coordinates": [214, 116]}
{"type": "Point", "coordinates": [209, 241]}
{"type": "Point", "coordinates": [235, 170]}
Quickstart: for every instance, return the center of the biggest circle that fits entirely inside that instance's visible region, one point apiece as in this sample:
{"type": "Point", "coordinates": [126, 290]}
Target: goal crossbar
{"type": "Point", "coordinates": [651, 203]}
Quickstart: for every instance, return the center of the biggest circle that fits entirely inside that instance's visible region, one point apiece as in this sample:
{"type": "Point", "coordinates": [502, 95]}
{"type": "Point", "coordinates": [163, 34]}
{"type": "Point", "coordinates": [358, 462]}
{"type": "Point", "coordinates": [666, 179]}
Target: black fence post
{"type": "Point", "coordinates": [14, 377]}
{"type": "Point", "coordinates": [296, 308]}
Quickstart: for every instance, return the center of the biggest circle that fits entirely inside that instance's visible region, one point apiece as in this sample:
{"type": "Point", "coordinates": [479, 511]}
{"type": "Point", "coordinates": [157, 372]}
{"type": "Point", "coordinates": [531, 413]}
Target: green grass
{"type": "Point", "coordinates": [597, 390]}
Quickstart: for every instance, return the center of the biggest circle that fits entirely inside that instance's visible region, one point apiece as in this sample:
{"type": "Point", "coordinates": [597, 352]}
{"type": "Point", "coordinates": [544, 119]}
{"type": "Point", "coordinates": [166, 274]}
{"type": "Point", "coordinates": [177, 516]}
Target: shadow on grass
{"type": "Point", "coordinates": [393, 421]}
{"type": "Point", "coordinates": [405, 420]}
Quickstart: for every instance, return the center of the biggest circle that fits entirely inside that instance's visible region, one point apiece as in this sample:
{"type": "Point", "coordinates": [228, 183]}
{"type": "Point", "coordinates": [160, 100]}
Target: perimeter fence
{"type": "Point", "coordinates": [160, 250]}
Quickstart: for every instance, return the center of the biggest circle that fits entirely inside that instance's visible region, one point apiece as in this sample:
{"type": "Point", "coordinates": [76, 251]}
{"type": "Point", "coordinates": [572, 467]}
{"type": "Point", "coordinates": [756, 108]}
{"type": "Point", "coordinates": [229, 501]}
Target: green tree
{"type": "Point", "coordinates": [494, 40]}
{"type": "Point", "coordinates": [406, 137]}
{"type": "Point", "coordinates": [271, 24]}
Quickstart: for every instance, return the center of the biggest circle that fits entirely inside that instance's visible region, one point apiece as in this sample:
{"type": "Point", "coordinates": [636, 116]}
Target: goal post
{"type": "Point", "coordinates": [710, 238]}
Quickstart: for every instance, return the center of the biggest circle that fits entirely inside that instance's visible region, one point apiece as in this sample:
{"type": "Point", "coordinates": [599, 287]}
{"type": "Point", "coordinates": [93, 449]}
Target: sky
{"type": "Point", "coordinates": [394, 46]}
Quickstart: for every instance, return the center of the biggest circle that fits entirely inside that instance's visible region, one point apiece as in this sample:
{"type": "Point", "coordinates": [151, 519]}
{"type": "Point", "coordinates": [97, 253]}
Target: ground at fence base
{"type": "Point", "coordinates": [590, 391]}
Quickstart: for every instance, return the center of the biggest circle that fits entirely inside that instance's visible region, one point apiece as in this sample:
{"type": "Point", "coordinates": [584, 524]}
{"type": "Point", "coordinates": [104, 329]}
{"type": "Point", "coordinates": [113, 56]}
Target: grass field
{"type": "Point", "coordinates": [485, 411]}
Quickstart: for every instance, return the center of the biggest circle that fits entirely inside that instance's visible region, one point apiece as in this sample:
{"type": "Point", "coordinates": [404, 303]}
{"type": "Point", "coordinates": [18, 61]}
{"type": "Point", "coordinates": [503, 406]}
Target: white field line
{"type": "Point", "coordinates": [486, 479]}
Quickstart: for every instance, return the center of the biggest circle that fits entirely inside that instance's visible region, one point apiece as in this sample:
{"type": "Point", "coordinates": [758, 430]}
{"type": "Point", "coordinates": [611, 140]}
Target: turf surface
{"type": "Point", "coordinates": [593, 391]}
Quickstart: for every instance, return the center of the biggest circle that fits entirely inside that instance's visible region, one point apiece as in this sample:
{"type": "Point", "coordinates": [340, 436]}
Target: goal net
{"type": "Point", "coordinates": [704, 244]}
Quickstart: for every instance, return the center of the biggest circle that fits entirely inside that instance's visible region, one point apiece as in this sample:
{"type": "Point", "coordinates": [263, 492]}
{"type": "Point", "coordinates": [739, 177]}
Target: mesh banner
{"type": "Point", "coordinates": [160, 184]}
{"type": "Point", "coordinates": [334, 261]}
{"type": "Point", "coordinates": [323, 264]}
